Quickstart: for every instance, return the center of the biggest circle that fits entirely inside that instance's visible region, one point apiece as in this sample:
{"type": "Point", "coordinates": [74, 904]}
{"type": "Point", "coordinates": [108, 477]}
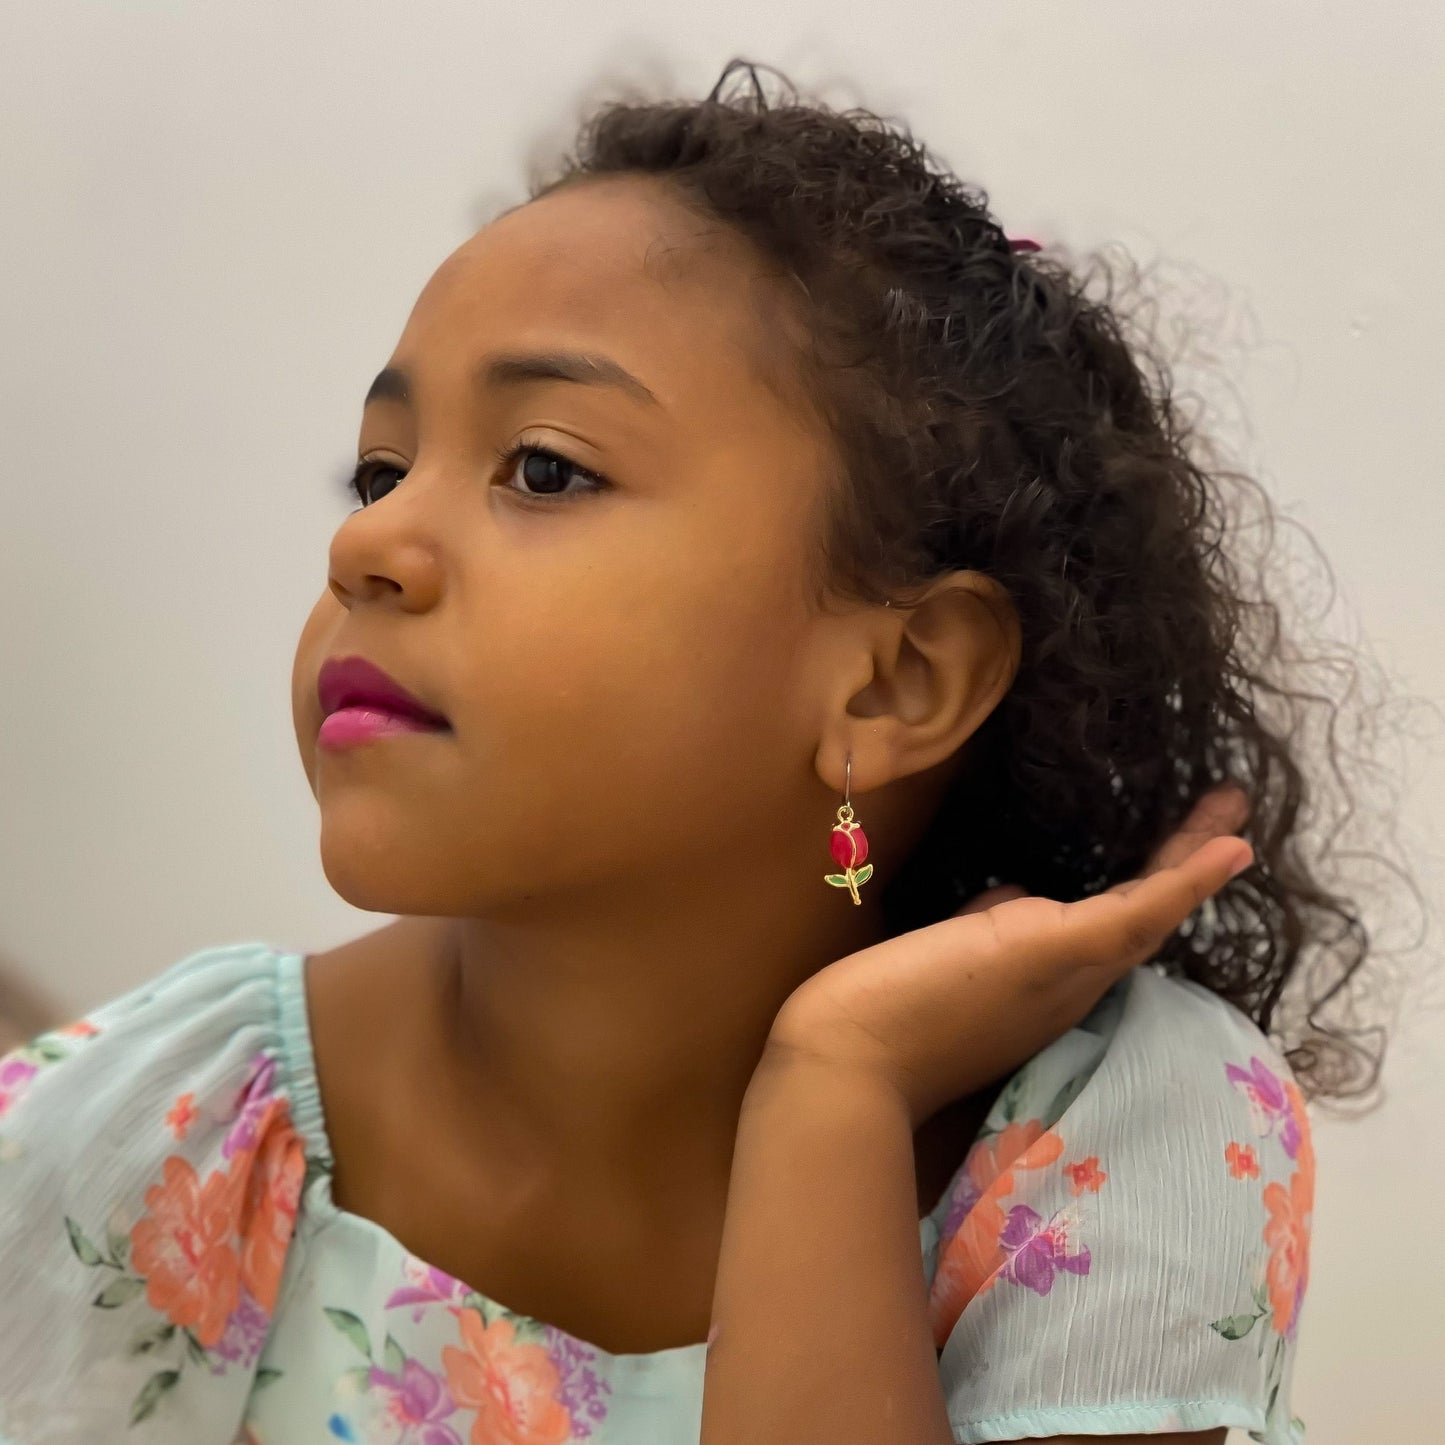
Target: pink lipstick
{"type": "Point", "coordinates": [362, 703]}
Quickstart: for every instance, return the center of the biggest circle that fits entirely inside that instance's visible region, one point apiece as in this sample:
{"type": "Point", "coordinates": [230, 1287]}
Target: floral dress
{"type": "Point", "coordinates": [1124, 1249]}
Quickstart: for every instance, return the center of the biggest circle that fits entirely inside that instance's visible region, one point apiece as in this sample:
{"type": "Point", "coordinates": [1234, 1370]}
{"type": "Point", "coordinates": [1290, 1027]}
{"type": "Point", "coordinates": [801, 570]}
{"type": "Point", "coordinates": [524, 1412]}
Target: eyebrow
{"type": "Point", "coordinates": [517, 368]}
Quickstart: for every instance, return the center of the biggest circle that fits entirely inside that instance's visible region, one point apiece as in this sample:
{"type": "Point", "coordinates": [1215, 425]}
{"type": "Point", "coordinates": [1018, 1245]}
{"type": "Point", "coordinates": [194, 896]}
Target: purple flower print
{"type": "Point", "coordinates": [1036, 1249]}
{"type": "Point", "coordinates": [1268, 1102]}
{"type": "Point", "coordinates": [380, 1407]}
{"type": "Point", "coordinates": [251, 1105]}
{"type": "Point", "coordinates": [15, 1077]}
{"type": "Point", "coordinates": [245, 1334]}
{"type": "Point", "coordinates": [426, 1285]}
{"type": "Point", "coordinates": [965, 1196]}
{"type": "Point", "coordinates": [416, 1402]}
{"type": "Point", "coordinates": [579, 1387]}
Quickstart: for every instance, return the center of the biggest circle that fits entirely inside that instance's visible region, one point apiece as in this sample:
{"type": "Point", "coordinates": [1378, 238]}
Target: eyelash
{"type": "Point", "coordinates": [354, 485]}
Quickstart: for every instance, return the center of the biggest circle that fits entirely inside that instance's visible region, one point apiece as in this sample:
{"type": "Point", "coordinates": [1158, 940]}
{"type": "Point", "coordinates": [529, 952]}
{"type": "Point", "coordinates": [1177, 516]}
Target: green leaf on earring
{"type": "Point", "coordinates": [864, 873]}
{"type": "Point", "coordinates": [837, 880]}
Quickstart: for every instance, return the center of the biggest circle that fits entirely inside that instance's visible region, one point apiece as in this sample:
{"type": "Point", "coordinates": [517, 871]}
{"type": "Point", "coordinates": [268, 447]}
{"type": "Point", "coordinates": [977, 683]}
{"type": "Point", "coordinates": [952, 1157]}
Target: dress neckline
{"type": "Point", "coordinates": [298, 1067]}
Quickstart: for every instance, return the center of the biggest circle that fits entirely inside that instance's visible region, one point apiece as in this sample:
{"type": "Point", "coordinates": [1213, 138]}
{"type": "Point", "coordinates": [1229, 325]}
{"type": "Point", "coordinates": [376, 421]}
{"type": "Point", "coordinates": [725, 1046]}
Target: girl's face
{"type": "Point", "coordinates": [621, 640]}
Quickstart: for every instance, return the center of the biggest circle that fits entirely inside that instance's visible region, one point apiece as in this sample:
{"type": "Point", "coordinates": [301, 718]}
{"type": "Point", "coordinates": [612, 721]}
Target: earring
{"type": "Point", "coordinates": [849, 845]}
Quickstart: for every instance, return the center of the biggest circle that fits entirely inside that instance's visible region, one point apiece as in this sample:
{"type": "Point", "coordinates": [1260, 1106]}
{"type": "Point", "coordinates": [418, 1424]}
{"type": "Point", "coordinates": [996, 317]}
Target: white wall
{"type": "Point", "coordinates": [216, 217]}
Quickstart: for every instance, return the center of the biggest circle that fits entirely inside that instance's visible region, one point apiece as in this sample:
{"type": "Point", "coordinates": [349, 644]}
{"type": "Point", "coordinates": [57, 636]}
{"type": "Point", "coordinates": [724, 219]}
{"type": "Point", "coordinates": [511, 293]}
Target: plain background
{"type": "Point", "coordinates": [217, 216]}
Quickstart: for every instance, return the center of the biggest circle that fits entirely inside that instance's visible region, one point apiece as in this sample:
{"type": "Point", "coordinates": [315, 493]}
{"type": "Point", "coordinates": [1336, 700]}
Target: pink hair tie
{"type": "Point", "coordinates": [1022, 243]}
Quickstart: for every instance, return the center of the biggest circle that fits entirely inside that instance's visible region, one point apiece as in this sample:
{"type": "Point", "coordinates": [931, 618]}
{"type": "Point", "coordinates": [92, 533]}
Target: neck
{"type": "Point", "coordinates": [614, 1041]}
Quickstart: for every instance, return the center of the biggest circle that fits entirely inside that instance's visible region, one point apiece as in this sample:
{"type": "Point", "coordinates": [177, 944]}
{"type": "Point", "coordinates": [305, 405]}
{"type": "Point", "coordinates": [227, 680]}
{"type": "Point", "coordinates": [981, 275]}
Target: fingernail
{"type": "Point", "coordinates": [1242, 862]}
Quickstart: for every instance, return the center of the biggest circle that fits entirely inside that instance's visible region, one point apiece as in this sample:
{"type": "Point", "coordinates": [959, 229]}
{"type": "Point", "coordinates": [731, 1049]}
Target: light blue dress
{"type": "Point", "coordinates": [1124, 1249]}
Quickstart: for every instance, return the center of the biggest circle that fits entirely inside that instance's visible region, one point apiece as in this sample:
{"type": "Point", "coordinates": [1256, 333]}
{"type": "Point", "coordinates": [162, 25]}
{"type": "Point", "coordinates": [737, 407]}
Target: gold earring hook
{"type": "Point", "coordinates": [848, 778]}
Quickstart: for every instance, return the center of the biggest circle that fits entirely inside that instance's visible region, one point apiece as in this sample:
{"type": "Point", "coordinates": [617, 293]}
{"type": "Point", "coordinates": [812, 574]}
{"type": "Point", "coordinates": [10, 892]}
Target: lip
{"type": "Point", "coordinates": [359, 700]}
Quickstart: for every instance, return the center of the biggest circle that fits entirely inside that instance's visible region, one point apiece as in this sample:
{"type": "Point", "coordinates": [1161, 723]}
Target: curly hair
{"type": "Point", "coordinates": [990, 413]}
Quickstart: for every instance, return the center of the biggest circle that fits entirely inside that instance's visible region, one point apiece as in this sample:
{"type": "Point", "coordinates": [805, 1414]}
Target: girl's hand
{"type": "Point", "coordinates": [938, 1013]}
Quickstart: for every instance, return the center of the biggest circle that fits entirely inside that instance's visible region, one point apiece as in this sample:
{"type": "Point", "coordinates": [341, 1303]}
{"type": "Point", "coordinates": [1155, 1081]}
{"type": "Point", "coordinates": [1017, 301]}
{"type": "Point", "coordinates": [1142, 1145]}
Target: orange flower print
{"type": "Point", "coordinates": [212, 1250]}
{"type": "Point", "coordinates": [1287, 1231]}
{"type": "Point", "coordinates": [966, 1263]}
{"type": "Point", "coordinates": [511, 1386]}
{"type": "Point", "coordinates": [1024, 1144]}
{"type": "Point", "coordinates": [270, 1174]}
{"type": "Point", "coordinates": [1242, 1160]}
{"type": "Point", "coordinates": [182, 1247]}
{"type": "Point", "coordinates": [973, 1251]}
{"type": "Point", "coordinates": [1305, 1154]}
{"type": "Point", "coordinates": [1086, 1174]}
{"type": "Point", "coordinates": [1288, 1235]}
{"type": "Point", "coordinates": [181, 1116]}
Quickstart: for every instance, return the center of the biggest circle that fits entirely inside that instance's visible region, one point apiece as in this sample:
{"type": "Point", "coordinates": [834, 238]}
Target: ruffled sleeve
{"type": "Point", "coordinates": [1126, 1248]}
{"type": "Point", "coordinates": [150, 1175]}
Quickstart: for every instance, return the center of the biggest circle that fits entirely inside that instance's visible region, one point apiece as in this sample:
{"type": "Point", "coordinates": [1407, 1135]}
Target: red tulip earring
{"type": "Point", "coordinates": [849, 845]}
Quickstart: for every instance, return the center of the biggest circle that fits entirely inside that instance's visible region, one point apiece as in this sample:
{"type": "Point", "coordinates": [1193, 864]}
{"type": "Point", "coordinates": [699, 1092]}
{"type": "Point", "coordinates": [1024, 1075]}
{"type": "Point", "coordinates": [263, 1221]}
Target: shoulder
{"type": "Point", "coordinates": [1165, 1014]}
{"type": "Point", "coordinates": [150, 1174]}
{"type": "Point", "coordinates": [1190, 1079]}
{"type": "Point", "coordinates": [1165, 1082]}
{"type": "Point", "coordinates": [1133, 1221]}
{"type": "Point", "coordinates": [1156, 1050]}
{"type": "Point", "coordinates": [200, 1024]}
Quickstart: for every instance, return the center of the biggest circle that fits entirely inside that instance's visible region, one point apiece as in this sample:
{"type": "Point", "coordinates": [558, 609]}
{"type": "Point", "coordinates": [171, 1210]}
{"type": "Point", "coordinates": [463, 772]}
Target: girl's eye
{"type": "Point", "coordinates": [545, 472]}
{"type": "Point", "coordinates": [362, 480]}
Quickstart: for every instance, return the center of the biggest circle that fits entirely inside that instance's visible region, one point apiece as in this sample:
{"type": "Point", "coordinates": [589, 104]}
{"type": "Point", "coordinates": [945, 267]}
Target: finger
{"type": "Point", "coordinates": [1127, 924]}
{"type": "Point", "coordinates": [1223, 809]}
{"type": "Point", "coordinates": [981, 902]}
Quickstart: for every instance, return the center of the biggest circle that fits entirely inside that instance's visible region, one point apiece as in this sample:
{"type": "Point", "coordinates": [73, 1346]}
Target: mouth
{"type": "Point", "coordinates": [359, 699]}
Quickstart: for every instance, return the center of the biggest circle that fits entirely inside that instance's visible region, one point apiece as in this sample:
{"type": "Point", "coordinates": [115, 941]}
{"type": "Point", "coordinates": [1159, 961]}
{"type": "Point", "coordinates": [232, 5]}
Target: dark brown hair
{"type": "Point", "coordinates": [991, 414]}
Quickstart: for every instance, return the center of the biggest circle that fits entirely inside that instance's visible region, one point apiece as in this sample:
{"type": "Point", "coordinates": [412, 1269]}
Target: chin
{"type": "Point", "coordinates": [379, 874]}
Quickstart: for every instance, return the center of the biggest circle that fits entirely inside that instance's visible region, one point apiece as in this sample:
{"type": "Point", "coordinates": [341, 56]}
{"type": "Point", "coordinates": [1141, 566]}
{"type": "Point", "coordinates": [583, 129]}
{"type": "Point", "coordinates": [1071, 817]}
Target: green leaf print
{"type": "Point", "coordinates": [150, 1395]}
{"type": "Point", "coordinates": [1234, 1327]}
{"type": "Point", "coordinates": [352, 1328]}
{"type": "Point", "coordinates": [118, 1291]}
{"type": "Point", "coordinates": [148, 1338]}
{"type": "Point", "coordinates": [1063, 1099]}
{"type": "Point", "coordinates": [864, 873]}
{"type": "Point", "coordinates": [1275, 1374]}
{"type": "Point", "coordinates": [265, 1377]}
{"type": "Point", "coordinates": [527, 1331]}
{"type": "Point", "coordinates": [394, 1356]}
{"type": "Point", "coordinates": [195, 1349]}
{"type": "Point", "coordinates": [119, 1247]}
{"type": "Point", "coordinates": [491, 1312]}
{"type": "Point", "coordinates": [837, 880]}
{"type": "Point", "coordinates": [84, 1249]}
{"type": "Point", "coordinates": [1007, 1103]}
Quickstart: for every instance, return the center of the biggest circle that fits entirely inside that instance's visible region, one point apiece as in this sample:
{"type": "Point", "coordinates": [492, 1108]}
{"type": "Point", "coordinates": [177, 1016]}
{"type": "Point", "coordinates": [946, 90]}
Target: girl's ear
{"type": "Point", "coordinates": [936, 669]}
{"type": "Point", "coordinates": [994, 597]}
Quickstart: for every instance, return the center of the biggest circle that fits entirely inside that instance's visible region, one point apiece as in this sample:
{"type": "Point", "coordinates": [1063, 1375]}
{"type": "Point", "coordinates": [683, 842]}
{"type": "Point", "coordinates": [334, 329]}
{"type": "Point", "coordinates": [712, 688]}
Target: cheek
{"type": "Point", "coordinates": [305, 709]}
{"type": "Point", "coordinates": [643, 709]}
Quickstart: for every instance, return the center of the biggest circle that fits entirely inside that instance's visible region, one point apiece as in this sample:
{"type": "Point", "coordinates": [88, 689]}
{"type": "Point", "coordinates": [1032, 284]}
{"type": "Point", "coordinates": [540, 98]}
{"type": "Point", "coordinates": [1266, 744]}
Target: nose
{"type": "Point", "coordinates": [388, 552]}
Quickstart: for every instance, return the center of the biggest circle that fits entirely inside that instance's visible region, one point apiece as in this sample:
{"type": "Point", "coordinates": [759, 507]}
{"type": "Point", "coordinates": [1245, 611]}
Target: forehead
{"type": "Point", "coordinates": [616, 265]}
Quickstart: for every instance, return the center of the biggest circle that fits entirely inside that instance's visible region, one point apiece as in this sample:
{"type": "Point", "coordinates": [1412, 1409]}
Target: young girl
{"type": "Point", "coordinates": [785, 676]}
